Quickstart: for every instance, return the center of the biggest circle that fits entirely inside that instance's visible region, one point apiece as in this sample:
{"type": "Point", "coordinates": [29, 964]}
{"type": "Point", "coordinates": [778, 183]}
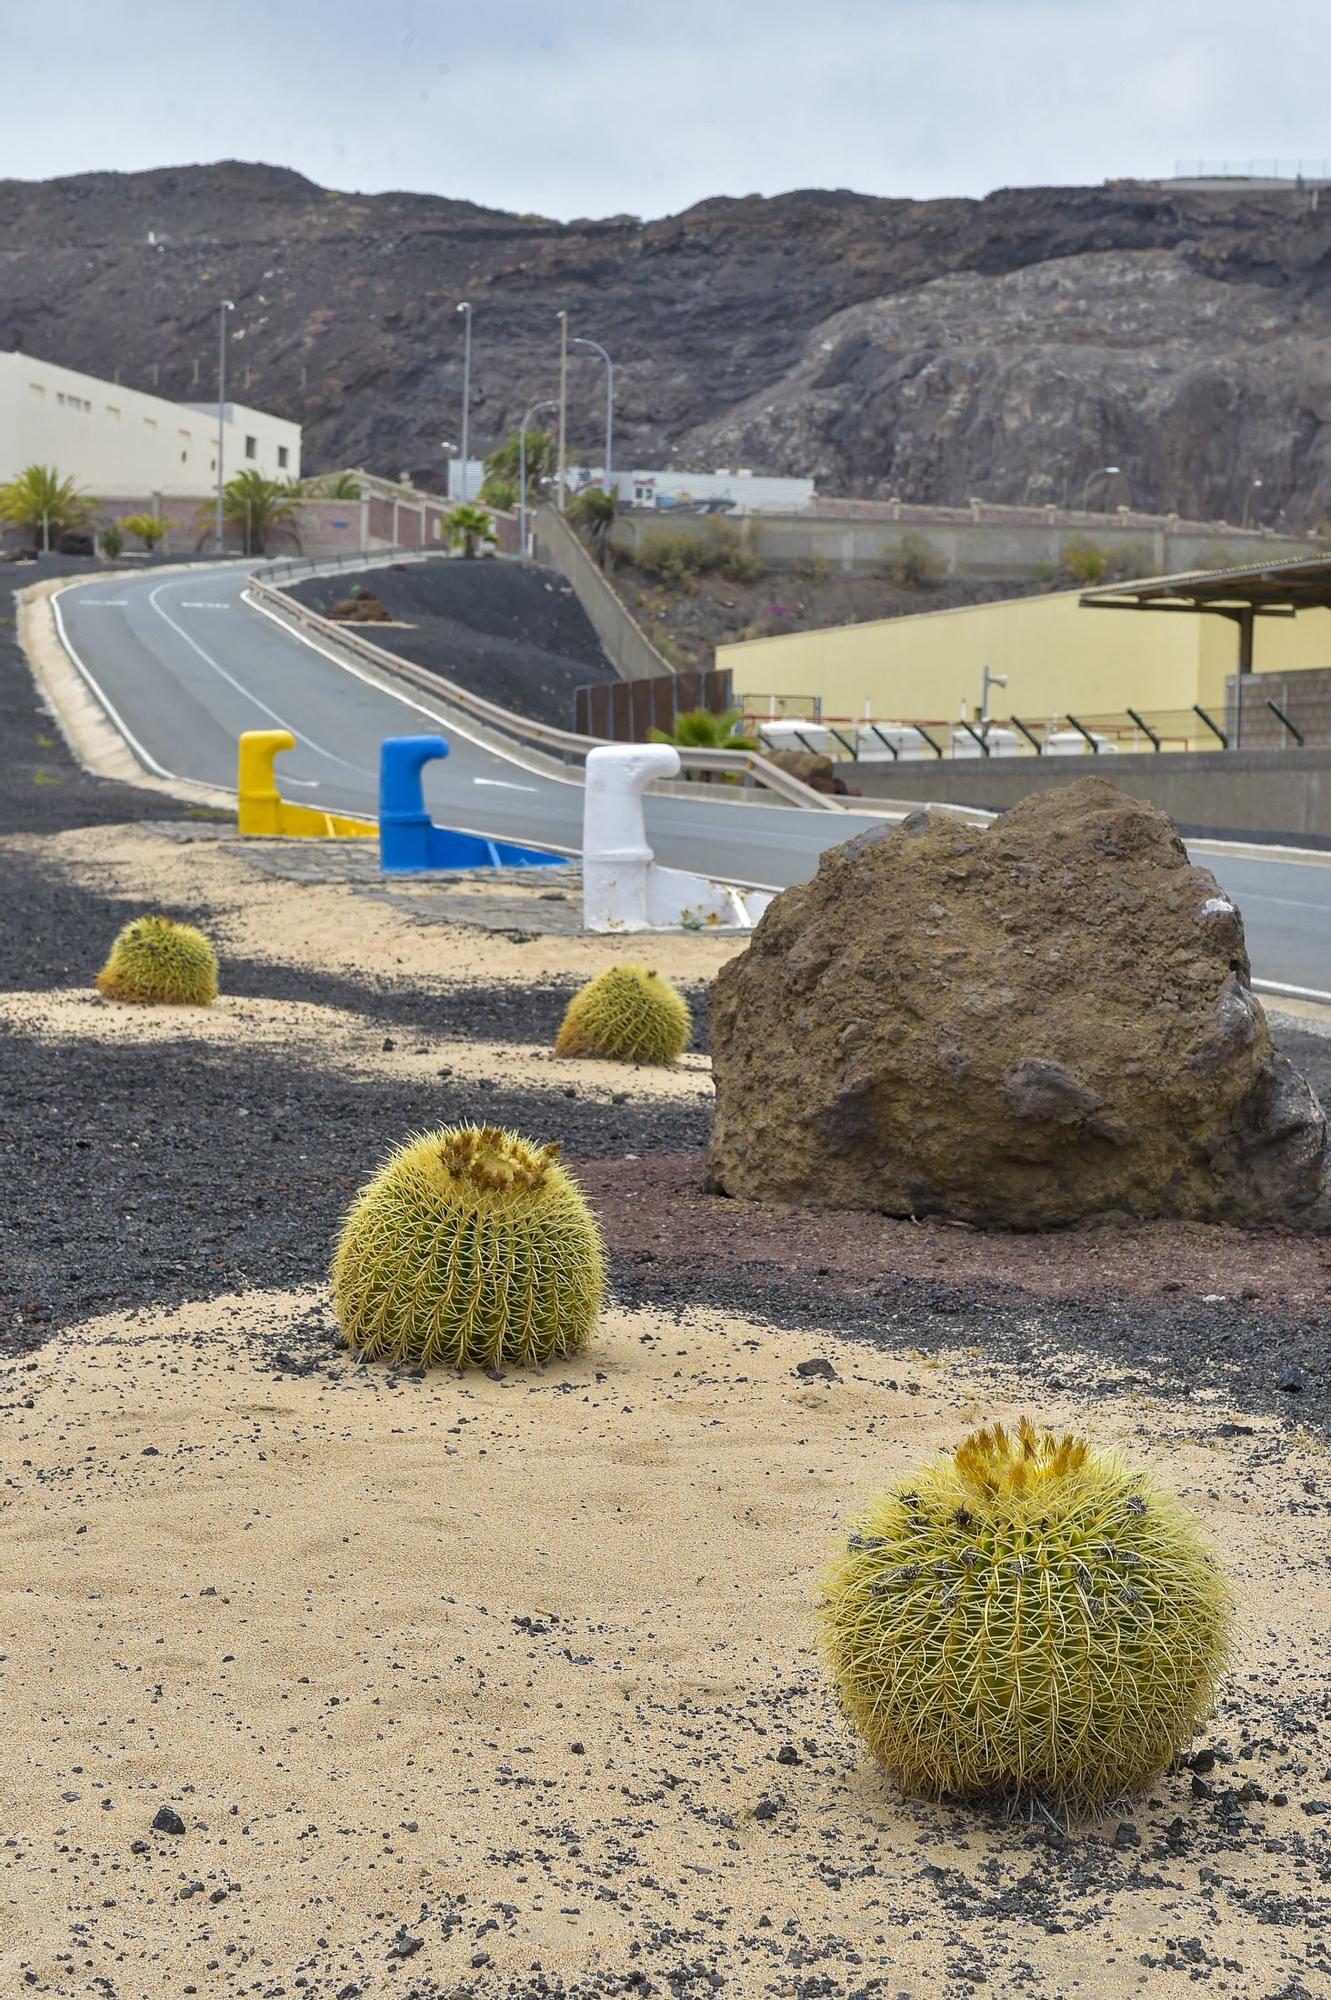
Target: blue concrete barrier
{"type": "Point", "coordinates": [408, 838]}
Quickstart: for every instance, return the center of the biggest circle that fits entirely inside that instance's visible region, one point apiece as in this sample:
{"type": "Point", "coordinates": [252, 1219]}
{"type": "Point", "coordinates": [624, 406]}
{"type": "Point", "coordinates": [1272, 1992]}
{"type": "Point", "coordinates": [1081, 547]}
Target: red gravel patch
{"type": "Point", "coordinates": [658, 1205]}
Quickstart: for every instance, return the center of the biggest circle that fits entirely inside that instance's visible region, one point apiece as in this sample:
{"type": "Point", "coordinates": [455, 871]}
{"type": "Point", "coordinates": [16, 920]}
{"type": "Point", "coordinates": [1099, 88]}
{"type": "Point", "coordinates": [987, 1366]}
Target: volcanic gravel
{"type": "Point", "coordinates": [510, 631]}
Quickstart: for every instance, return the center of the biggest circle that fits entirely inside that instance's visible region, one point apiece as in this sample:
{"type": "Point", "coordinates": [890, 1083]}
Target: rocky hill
{"type": "Point", "coordinates": [1009, 347]}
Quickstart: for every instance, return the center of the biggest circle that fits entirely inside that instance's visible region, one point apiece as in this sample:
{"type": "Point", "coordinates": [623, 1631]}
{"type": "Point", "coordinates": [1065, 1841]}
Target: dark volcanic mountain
{"type": "Point", "coordinates": [1007, 348]}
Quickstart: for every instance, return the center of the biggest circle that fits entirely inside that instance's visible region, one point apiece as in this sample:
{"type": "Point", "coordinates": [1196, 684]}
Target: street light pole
{"type": "Point", "coordinates": [1101, 472]}
{"type": "Point", "coordinates": [219, 530]}
{"type": "Point", "coordinates": [1253, 487]}
{"type": "Point", "coordinates": [563, 406]}
{"type": "Point", "coordinates": [466, 391]}
{"type": "Point", "coordinates": [522, 471]}
{"type": "Point", "coordinates": [579, 340]}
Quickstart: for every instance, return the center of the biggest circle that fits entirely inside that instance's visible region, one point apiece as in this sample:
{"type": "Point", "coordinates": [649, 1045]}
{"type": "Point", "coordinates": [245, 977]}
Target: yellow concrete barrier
{"type": "Point", "coordinates": [262, 810]}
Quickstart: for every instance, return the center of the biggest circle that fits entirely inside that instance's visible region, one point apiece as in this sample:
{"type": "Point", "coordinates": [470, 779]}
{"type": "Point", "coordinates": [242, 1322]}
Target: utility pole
{"type": "Point", "coordinates": [579, 340]}
{"type": "Point", "coordinates": [563, 408]}
{"type": "Point", "coordinates": [466, 391]}
{"type": "Point", "coordinates": [219, 531]}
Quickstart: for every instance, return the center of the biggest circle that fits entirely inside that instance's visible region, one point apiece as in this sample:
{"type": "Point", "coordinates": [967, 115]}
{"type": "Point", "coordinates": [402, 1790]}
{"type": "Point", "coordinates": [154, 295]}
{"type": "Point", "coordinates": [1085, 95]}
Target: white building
{"type": "Point", "coordinates": [115, 440]}
{"type": "Point", "coordinates": [719, 492]}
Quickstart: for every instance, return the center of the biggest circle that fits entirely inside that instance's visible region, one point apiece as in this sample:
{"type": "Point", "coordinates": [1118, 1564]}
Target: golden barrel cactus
{"type": "Point", "coordinates": [628, 1013]}
{"type": "Point", "coordinates": [155, 959]}
{"type": "Point", "coordinates": [1026, 1617]}
{"type": "Point", "coordinates": [471, 1247]}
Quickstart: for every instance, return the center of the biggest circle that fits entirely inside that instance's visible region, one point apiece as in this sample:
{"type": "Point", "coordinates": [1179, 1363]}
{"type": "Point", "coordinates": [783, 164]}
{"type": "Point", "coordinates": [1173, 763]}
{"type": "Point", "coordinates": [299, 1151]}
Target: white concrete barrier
{"type": "Point", "coordinates": [623, 887]}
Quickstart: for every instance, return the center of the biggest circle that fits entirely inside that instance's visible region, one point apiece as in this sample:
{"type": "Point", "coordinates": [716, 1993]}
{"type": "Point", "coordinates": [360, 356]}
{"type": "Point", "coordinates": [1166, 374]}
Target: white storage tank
{"type": "Point", "coordinates": [1002, 742]}
{"type": "Point", "coordinates": [797, 733]}
{"type": "Point", "coordinates": [876, 743]}
{"type": "Point", "coordinates": [1071, 743]}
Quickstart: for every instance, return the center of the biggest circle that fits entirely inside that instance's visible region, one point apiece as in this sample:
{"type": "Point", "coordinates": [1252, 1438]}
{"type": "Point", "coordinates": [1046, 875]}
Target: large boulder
{"type": "Point", "coordinates": [1024, 1024]}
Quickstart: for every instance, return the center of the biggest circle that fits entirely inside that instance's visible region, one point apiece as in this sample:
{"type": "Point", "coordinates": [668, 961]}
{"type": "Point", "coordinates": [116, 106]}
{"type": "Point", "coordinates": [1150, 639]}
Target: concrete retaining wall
{"type": "Point", "coordinates": [977, 547]}
{"type": "Point", "coordinates": [629, 649]}
{"type": "Point", "coordinates": [1228, 791]}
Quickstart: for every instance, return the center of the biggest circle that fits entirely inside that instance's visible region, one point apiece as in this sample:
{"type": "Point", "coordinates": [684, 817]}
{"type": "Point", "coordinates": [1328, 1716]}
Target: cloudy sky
{"type": "Point", "coordinates": [569, 110]}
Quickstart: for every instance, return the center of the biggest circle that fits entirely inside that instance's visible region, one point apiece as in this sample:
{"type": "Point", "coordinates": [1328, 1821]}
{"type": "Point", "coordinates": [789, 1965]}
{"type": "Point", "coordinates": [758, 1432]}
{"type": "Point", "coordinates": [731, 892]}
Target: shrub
{"type": "Point", "coordinates": [112, 540]}
{"type": "Point", "coordinates": [1026, 1617]}
{"type": "Point", "coordinates": [913, 563]}
{"type": "Point", "coordinates": [470, 1247]}
{"type": "Point", "coordinates": [1086, 561]}
{"type": "Point", "coordinates": [813, 568]}
{"type": "Point", "coordinates": [157, 960]}
{"type": "Point", "coordinates": [673, 554]}
{"type": "Point", "coordinates": [626, 1014]}
{"type": "Point", "coordinates": [150, 529]}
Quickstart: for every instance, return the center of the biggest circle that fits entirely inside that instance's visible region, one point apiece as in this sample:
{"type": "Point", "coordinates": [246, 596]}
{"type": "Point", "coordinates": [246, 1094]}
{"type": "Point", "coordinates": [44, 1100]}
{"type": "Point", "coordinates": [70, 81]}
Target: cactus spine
{"type": "Point", "coordinates": [626, 1014]}
{"type": "Point", "coordinates": [1026, 1617]}
{"type": "Point", "coordinates": [157, 960]}
{"type": "Point", "coordinates": [471, 1247]}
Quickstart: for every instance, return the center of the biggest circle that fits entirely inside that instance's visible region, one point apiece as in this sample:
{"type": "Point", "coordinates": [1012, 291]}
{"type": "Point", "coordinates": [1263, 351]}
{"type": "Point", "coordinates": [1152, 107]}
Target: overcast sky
{"type": "Point", "coordinates": [573, 109]}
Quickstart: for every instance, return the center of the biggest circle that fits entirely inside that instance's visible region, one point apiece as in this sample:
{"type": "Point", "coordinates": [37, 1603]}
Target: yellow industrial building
{"type": "Point", "coordinates": [1059, 655]}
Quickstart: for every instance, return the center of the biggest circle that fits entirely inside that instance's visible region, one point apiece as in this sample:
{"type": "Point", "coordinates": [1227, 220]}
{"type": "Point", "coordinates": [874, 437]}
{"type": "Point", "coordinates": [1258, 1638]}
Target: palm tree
{"type": "Point", "coordinates": [39, 500]}
{"type": "Point", "coordinates": [333, 486]}
{"type": "Point", "coordinates": [259, 507]}
{"type": "Point", "coordinates": [594, 512]}
{"type": "Point", "coordinates": [701, 729]}
{"type": "Point", "coordinates": [150, 528]}
{"type": "Point", "coordinates": [502, 464]}
{"type": "Point", "coordinates": [469, 525]}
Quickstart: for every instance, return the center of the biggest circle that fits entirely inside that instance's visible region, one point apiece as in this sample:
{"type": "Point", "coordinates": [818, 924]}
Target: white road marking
{"type": "Point", "coordinates": [202, 604]}
{"type": "Point", "coordinates": [249, 695]}
{"type": "Point", "coordinates": [105, 703]}
{"type": "Point", "coordinates": [443, 718]}
{"type": "Point", "coordinates": [104, 603]}
{"type": "Point", "coordinates": [504, 784]}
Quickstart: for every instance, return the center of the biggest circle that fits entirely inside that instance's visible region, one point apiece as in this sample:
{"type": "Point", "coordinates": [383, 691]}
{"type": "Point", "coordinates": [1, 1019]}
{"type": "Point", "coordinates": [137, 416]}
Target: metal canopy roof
{"type": "Point", "coordinates": [1270, 589]}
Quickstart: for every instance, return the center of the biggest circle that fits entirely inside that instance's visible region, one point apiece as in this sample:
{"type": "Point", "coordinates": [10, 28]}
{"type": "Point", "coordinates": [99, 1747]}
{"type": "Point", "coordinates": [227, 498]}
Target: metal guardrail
{"type": "Point", "coordinates": [563, 744]}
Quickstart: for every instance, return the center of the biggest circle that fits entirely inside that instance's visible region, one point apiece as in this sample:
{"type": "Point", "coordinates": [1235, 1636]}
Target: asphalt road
{"type": "Point", "coordinates": [186, 666]}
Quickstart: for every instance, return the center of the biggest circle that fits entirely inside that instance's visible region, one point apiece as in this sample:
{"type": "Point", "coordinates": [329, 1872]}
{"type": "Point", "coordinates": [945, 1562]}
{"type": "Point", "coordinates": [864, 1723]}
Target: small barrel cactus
{"type": "Point", "coordinates": [472, 1247]}
{"type": "Point", "coordinates": [1027, 1617]}
{"type": "Point", "coordinates": [626, 1014]}
{"type": "Point", "coordinates": [157, 959]}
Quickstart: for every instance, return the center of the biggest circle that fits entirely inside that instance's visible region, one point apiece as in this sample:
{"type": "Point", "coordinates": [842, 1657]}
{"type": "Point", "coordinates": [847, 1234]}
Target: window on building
{"type": "Point", "coordinates": [184, 458]}
{"type": "Point", "coordinates": [251, 447]}
{"type": "Point", "coordinates": [38, 390]}
{"type": "Point", "coordinates": [283, 457]}
{"type": "Point", "coordinates": [60, 397]}
{"type": "Point", "coordinates": [113, 412]}
{"type": "Point", "coordinates": [150, 423]}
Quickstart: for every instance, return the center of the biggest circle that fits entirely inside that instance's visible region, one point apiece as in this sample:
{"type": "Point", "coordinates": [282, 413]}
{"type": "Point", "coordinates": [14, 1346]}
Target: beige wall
{"type": "Point", "coordinates": [1057, 655]}
{"type": "Point", "coordinates": [113, 439]}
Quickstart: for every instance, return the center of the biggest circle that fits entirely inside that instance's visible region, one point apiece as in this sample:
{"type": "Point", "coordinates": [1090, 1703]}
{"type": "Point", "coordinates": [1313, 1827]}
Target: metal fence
{"type": "Point", "coordinates": [1249, 719]}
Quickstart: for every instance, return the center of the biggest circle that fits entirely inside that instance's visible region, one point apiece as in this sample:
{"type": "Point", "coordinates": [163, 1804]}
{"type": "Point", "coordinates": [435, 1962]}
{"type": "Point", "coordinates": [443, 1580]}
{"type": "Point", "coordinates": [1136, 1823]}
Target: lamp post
{"type": "Point", "coordinates": [466, 390]}
{"type": "Point", "coordinates": [219, 531]}
{"type": "Point", "coordinates": [522, 469]}
{"type": "Point", "coordinates": [580, 341]}
{"type": "Point", "coordinates": [449, 449]}
{"type": "Point", "coordinates": [562, 317]}
{"type": "Point", "coordinates": [1101, 472]}
{"type": "Point", "coordinates": [1254, 486]}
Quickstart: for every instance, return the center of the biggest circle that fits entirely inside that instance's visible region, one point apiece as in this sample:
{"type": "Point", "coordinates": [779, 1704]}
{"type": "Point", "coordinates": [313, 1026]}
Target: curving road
{"type": "Point", "coordinates": [183, 665]}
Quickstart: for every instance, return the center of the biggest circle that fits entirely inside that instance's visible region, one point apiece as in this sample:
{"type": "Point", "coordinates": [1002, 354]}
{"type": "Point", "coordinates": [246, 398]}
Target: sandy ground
{"type": "Point", "coordinates": [258, 917]}
{"type": "Point", "coordinates": [328, 1036]}
{"type": "Point", "coordinates": [451, 1678]}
